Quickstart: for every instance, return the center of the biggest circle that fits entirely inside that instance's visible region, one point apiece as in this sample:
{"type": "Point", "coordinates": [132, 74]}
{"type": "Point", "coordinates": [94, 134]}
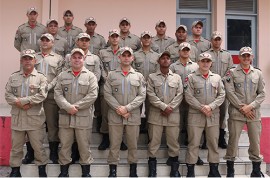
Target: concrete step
{"type": "Point", "coordinates": [100, 168]}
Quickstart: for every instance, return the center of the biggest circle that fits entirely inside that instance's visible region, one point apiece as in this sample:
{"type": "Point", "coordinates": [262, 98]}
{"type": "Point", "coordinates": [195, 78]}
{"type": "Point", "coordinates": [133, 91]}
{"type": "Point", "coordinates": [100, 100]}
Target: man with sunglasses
{"type": "Point", "coordinates": [69, 31]}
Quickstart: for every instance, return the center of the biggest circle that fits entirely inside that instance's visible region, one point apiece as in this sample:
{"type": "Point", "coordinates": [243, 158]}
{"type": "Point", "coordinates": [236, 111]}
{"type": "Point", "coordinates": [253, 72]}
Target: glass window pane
{"type": "Point", "coordinates": [238, 33]}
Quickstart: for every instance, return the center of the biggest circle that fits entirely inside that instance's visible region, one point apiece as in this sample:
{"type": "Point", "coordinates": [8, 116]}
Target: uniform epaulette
{"type": "Point", "coordinates": [257, 68]}
{"type": "Point", "coordinates": [15, 72]}
{"type": "Point", "coordinates": [99, 35]}
{"type": "Point", "coordinates": [41, 73]}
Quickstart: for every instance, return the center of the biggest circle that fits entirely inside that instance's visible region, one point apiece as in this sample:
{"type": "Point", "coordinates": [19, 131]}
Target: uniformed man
{"type": "Point", "coordinates": [25, 92]}
{"type": "Point", "coordinates": [75, 93]}
{"type": "Point", "coordinates": [145, 62]}
{"type": "Point", "coordinates": [69, 31]}
{"type": "Point", "coordinates": [125, 92]}
{"type": "Point", "coordinates": [50, 64]}
{"type": "Point", "coordinates": [161, 41]}
{"type": "Point", "coordinates": [181, 36]}
{"type": "Point", "coordinates": [110, 61]}
{"type": "Point", "coordinates": [245, 89]}
{"type": "Point", "coordinates": [196, 38]}
{"type": "Point", "coordinates": [165, 93]}
{"type": "Point", "coordinates": [97, 41]}
{"type": "Point", "coordinates": [222, 62]}
{"type": "Point", "coordinates": [60, 44]}
{"type": "Point", "coordinates": [28, 33]}
{"type": "Point", "coordinates": [126, 37]}
{"type": "Point", "coordinates": [204, 92]}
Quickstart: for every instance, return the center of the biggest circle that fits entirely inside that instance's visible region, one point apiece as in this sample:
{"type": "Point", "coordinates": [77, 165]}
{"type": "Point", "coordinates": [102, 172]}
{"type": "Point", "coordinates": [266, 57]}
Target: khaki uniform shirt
{"type": "Point", "coordinates": [174, 51]}
{"type": "Point", "coordinates": [164, 91]}
{"type": "Point", "coordinates": [31, 89]}
{"type": "Point", "coordinates": [242, 88]}
{"type": "Point", "coordinates": [81, 91]}
{"type": "Point", "coordinates": [184, 70]}
{"type": "Point", "coordinates": [128, 91]}
{"type": "Point", "coordinates": [222, 61]}
{"type": "Point", "coordinates": [159, 45]}
{"type": "Point", "coordinates": [27, 37]}
{"type": "Point", "coordinates": [200, 91]}
{"type": "Point", "coordinates": [70, 35]}
{"type": "Point", "coordinates": [145, 62]}
{"type": "Point", "coordinates": [60, 45]}
{"type": "Point", "coordinates": [51, 67]}
{"type": "Point", "coordinates": [202, 46]}
{"type": "Point", "coordinates": [97, 43]}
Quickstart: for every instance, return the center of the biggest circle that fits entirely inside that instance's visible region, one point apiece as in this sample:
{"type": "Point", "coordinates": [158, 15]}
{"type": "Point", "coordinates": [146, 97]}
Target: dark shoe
{"type": "Point", "coordinates": [221, 140]}
{"type": "Point", "coordinates": [75, 155]}
{"type": "Point", "coordinates": [105, 143]}
{"type": "Point", "coordinates": [15, 172]}
{"type": "Point", "coordinates": [214, 170]}
{"type": "Point", "coordinates": [199, 161]}
{"type": "Point", "coordinates": [169, 161]}
{"type": "Point", "coordinates": [204, 146]}
{"type": "Point", "coordinates": [152, 165]}
{"type": "Point", "coordinates": [29, 157]}
{"type": "Point", "coordinates": [123, 146]}
{"type": "Point", "coordinates": [175, 170]}
{"type": "Point", "coordinates": [64, 170]}
{"type": "Point", "coordinates": [133, 170]}
{"type": "Point", "coordinates": [85, 170]}
{"type": "Point", "coordinates": [54, 152]}
{"type": "Point", "coordinates": [230, 168]}
{"type": "Point", "coordinates": [256, 170]}
{"type": "Point", "coordinates": [113, 169]}
{"type": "Point", "coordinates": [190, 170]}
{"type": "Point", "coordinates": [42, 171]}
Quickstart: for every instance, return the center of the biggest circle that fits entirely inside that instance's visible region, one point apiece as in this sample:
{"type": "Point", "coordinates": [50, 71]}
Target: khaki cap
{"type": "Point", "coordinates": [67, 12]}
{"type": "Point", "coordinates": [205, 55]}
{"type": "Point", "coordinates": [90, 19]}
{"type": "Point", "coordinates": [216, 34]}
{"type": "Point", "coordinates": [159, 22]}
{"type": "Point", "coordinates": [197, 22]}
{"type": "Point", "coordinates": [48, 36]}
{"type": "Point", "coordinates": [51, 20]}
{"type": "Point", "coordinates": [114, 31]}
{"type": "Point", "coordinates": [184, 45]}
{"type": "Point", "coordinates": [28, 52]}
{"type": "Point", "coordinates": [32, 9]}
{"type": "Point", "coordinates": [124, 49]}
{"type": "Point", "coordinates": [245, 50]}
{"type": "Point", "coordinates": [163, 53]}
{"type": "Point", "coordinates": [182, 26]}
{"type": "Point", "coordinates": [77, 50]}
{"type": "Point", "coordinates": [146, 33]}
{"type": "Point", "coordinates": [124, 19]}
{"type": "Point", "coordinates": [83, 35]}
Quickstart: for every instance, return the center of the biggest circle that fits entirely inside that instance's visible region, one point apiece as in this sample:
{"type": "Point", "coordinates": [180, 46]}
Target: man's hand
{"type": "Point", "coordinates": [18, 103]}
{"type": "Point", "coordinates": [167, 111]}
{"type": "Point", "coordinates": [206, 110]}
{"type": "Point", "coordinates": [27, 106]}
{"type": "Point", "coordinates": [126, 116]}
{"type": "Point", "coordinates": [121, 110]}
{"type": "Point", "coordinates": [250, 115]}
{"type": "Point", "coordinates": [73, 110]}
{"type": "Point", "coordinates": [245, 108]}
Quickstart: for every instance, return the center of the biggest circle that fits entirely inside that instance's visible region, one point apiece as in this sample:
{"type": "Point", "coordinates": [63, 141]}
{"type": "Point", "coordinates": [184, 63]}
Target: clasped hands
{"type": "Point", "coordinates": [122, 111]}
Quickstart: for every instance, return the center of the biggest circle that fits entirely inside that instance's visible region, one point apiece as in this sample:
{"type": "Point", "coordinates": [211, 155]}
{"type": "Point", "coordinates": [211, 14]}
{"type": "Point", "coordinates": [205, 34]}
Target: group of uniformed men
{"type": "Point", "coordinates": [65, 72]}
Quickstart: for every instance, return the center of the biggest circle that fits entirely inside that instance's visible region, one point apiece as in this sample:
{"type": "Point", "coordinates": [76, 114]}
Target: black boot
{"type": "Point", "coordinates": [133, 170]}
{"type": "Point", "coordinates": [221, 140]}
{"type": "Point", "coordinates": [152, 165]}
{"type": "Point", "coordinates": [256, 170]}
{"type": "Point", "coordinates": [15, 172]}
{"type": "Point", "coordinates": [85, 170]}
{"type": "Point", "coordinates": [113, 169]}
{"type": "Point", "coordinates": [29, 157]}
{"type": "Point", "coordinates": [42, 171]}
{"type": "Point", "coordinates": [175, 170]}
{"type": "Point", "coordinates": [214, 170]}
{"type": "Point", "coordinates": [54, 152]}
{"type": "Point", "coordinates": [199, 161]}
{"type": "Point", "coordinates": [105, 143]}
{"type": "Point", "coordinates": [190, 170]}
{"type": "Point", "coordinates": [64, 170]}
{"type": "Point", "coordinates": [123, 146]}
{"type": "Point", "coordinates": [75, 155]}
{"type": "Point", "coordinates": [230, 168]}
{"type": "Point", "coordinates": [204, 146]}
{"type": "Point", "coordinates": [169, 161]}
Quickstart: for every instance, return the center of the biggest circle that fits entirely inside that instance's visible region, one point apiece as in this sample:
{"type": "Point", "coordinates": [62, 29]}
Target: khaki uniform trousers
{"type": "Point", "coordinates": [194, 138]}
{"type": "Point", "coordinates": [52, 118]}
{"type": "Point", "coordinates": [222, 114]}
{"type": "Point", "coordinates": [104, 124]}
{"type": "Point", "coordinates": [155, 135]}
{"type": "Point", "coordinates": [82, 136]}
{"type": "Point", "coordinates": [254, 133]}
{"type": "Point", "coordinates": [36, 138]}
{"type": "Point", "coordinates": [132, 135]}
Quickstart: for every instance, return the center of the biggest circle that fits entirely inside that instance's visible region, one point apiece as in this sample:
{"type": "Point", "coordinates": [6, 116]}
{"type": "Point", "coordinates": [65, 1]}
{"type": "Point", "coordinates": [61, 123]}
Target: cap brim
{"type": "Point", "coordinates": [29, 55]}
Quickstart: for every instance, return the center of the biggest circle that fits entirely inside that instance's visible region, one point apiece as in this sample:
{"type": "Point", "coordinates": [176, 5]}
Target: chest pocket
{"type": "Point", "coordinates": [116, 87]}
{"type": "Point", "coordinates": [66, 86]}
{"type": "Point", "coordinates": [134, 86]}
{"type": "Point", "coordinates": [25, 36]}
{"type": "Point", "coordinates": [214, 89]}
{"type": "Point", "coordinates": [158, 88]}
{"type": "Point", "coordinates": [33, 89]}
{"type": "Point", "coordinates": [16, 88]}
{"type": "Point", "coordinates": [198, 90]}
{"type": "Point", "coordinates": [83, 87]}
{"type": "Point", "coordinates": [173, 88]}
{"type": "Point", "coordinates": [238, 83]}
{"type": "Point", "coordinates": [90, 64]}
{"type": "Point", "coordinates": [254, 84]}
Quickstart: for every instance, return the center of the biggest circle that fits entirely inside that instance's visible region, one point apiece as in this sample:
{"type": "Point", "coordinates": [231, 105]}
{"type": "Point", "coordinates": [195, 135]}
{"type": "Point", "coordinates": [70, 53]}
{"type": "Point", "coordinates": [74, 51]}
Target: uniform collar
{"type": "Point", "coordinates": [212, 50]}
{"type": "Point", "coordinates": [84, 70]}
{"type": "Point", "coordinates": [131, 70]}
{"type": "Point", "coordinates": [179, 63]}
{"type": "Point", "coordinates": [34, 72]}
{"type": "Point", "coordinates": [159, 72]}
{"type": "Point", "coordinates": [156, 38]}
{"type": "Point", "coordinates": [141, 50]}
{"type": "Point", "coordinates": [251, 68]}
{"type": "Point", "coordinates": [197, 72]}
